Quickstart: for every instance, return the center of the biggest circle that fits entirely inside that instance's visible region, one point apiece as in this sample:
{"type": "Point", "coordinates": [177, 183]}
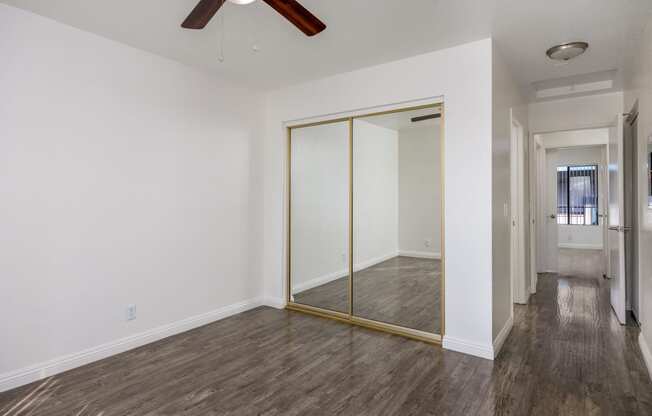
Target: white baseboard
{"type": "Point", "coordinates": [318, 281]}
{"type": "Point", "coordinates": [502, 335]}
{"type": "Point", "coordinates": [420, 254]}
{"type": "Point", "coordinates": [580, 246]}
{"type": "Point", "coordinates": [58, 365]}
{"type": "Point", "coordinates": [479, 350]}
{"type": "Point", "coordinates": [372, 262]}
{"type": "Point", "coordinates": [322, 280]}
{"type": "Point", "coordinates": [277, 303]}
{"type": "Point", "coordinates": [647, 355]}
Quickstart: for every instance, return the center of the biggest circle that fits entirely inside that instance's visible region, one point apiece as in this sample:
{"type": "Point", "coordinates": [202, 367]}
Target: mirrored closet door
{"type": "Point", "coordinates": [319, 216]}
{"type": "Point", "coordinates": [365, 220]}
{"type": "Point", "coordinates": [396, 219]}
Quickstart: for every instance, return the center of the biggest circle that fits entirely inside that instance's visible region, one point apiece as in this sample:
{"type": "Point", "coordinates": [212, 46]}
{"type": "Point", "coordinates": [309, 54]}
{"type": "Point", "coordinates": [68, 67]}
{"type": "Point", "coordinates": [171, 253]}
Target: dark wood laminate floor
{"type": "Point", "coordinates": [402, 291]}
{"type": "Point", "coordinates": [566, 355]}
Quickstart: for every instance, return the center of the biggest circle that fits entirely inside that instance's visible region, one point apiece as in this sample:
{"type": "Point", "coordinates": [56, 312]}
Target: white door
{"type": "Point", "coordinates": [616, 220]}
{"type": "Point", "coordinates": [552, 240]}
{"type": "Point", "coordinates": [517, 234]}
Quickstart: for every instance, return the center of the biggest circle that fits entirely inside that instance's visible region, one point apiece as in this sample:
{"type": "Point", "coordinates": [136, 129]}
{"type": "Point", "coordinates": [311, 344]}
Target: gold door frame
{"type": "Point", "coordinates": [350, 317]}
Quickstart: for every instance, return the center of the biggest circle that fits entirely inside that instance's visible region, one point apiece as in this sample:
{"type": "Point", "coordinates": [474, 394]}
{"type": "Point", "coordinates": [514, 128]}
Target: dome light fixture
{"type": "Point", "coordinates": [567, 51]}
{"type": "Point", "coordinates": [242, 1]}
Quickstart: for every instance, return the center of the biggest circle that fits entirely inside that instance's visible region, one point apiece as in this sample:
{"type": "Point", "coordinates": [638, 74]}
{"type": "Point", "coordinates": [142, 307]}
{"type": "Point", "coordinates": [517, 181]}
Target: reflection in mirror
{"type": "Point", "coordinates": [396, 220]}
{"type": "Point", "coordinates": [319, 216]}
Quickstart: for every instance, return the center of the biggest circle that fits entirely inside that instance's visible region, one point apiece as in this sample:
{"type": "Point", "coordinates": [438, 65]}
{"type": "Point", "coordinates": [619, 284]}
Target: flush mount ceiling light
{"type": "Point", "coordinates": [242, 1]}
{"type": "Point", "coordinates": [567, 51]}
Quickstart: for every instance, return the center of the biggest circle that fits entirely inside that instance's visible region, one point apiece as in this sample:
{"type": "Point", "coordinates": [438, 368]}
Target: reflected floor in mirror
{"type": "Point", "coordinates": [403, 291]}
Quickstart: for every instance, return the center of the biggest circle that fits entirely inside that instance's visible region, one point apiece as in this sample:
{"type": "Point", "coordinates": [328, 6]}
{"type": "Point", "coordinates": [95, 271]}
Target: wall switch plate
{"type": "Point", "coordinates": [131, 312]}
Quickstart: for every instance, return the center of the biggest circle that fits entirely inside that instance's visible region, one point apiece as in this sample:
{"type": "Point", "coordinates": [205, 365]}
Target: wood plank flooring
{"type": "Point", "coordinates": [566, 355]}
{"type": "Point", "coordinates": [402, 291]}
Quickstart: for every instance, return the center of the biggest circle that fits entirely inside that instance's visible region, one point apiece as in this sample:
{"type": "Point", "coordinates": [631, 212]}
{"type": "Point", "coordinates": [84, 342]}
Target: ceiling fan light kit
{"type": "Point", "coordinates": [292, 10]}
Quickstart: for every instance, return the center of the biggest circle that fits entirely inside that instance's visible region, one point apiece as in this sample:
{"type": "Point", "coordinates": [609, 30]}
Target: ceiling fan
{"type": "Point", "coordinates": [290, 9]}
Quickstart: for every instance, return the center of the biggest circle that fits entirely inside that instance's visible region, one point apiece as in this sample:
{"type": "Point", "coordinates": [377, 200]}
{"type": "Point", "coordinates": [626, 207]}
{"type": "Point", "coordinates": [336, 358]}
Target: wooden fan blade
{"type": "Point", "coordinates": [202, 14]}
{"type": "Point", "coordinates": [307, 22]}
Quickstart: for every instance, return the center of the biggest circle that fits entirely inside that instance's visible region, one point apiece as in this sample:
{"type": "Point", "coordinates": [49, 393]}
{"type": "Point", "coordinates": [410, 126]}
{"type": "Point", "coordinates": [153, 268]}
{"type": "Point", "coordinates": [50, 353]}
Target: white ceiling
{"type": "Point", "coordinates": [362, 33]}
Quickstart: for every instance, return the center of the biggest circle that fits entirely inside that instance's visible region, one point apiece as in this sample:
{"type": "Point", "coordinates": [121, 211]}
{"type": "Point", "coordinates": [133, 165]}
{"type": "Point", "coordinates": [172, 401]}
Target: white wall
{"type": "Point", "coordinates": [506, 101]}
{"type": "Point", "coordinates": [575, 113]}
{"type": "Point", "coordinates": [639, 89]}
{"type": "Point", "coordinates": [573, 138]}
{"type": "Point", "coordinates": [420, 191]}
{"type": "Point", "coordinates": [578, 236]}
{"type": "Point", "coordinates": [460, 75]}
{"type": "Point", "coordinates": [125, 178]}
{"type": "Point", "coordinates": [375, 194]}
{"type": "Point", "coordinates": [320, 205]}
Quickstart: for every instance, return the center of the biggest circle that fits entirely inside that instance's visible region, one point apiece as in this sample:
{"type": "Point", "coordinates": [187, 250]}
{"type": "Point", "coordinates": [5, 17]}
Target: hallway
{"type": "Point", "coordinates": [566, 355]}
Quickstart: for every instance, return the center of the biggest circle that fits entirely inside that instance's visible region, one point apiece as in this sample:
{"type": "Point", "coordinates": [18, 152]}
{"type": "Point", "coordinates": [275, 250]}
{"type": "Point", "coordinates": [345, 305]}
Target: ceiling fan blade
{"type": "Point", "coordinates": [202, 14]}
{"type": "Point", "coordinates": [307, 22]}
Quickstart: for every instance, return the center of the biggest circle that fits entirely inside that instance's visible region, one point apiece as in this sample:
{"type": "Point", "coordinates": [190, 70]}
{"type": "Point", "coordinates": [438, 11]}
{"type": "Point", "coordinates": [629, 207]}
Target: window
{"type": "Point", "coordinates": [577, 195]}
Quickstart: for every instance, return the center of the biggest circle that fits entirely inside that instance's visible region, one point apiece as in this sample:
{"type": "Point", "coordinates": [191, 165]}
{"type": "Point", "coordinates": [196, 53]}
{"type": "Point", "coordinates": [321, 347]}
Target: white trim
{"type": "Point", "coordinates": [502, 336]}
{"type": "Point", "coordinates": [277, 303]}
{"type": "Point", "coordinates": [420, 254]}
{"type": "Point", "coordinates": [647, 355]}
{"type": "Point", "coordinates": [479, 350]}
{"type": "Point", "coordinates": [26, 375]}
{"type": "Point", "coordinates": [580, 246]}
{"type": "Point", "coordinates": [322, 280]}
{"type": "Point", "coordinates": [427, 101]}
{"type": "Point", "coordinates": [374, 261]}
{"type": "Point", "coordinates": [318, 281]}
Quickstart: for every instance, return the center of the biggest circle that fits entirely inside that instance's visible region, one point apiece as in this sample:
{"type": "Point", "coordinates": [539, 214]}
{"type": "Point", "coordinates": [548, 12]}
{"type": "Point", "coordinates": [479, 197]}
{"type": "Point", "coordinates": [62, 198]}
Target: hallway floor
{"type": "Point", "coordinates": [566, 355]}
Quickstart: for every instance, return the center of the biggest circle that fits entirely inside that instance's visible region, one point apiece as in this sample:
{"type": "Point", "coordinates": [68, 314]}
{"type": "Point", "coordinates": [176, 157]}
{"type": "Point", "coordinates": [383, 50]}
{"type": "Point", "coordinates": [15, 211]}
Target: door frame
{"type": "Point", "coordinates": [537, 163]}
{"type": "Point", "coordinates": [518, 274]}
{"type": "Point", "coordinates": [541, 200]}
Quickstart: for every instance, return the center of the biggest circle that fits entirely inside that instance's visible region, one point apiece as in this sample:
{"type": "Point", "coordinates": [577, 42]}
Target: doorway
{"type": "Point", "coordinates": [571, 199]}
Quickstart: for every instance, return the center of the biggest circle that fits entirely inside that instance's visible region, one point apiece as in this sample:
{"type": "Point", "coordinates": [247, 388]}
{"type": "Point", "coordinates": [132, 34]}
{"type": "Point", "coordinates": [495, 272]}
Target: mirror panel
{"type": "Point", "coordinates": [319, 216]}
{"type": "Point", "coordinates": [397, 219]}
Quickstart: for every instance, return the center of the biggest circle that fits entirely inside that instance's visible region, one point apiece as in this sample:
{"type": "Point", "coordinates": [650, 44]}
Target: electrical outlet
{"type": "Point", "coordinates": [427, 243]}
{"type": "Point", "coordinates": [131, 312]}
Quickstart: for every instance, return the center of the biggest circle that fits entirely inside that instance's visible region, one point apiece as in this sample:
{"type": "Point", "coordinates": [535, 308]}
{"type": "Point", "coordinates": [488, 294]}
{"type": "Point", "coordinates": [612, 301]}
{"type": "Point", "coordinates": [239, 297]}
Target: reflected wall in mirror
{"type": "Point", "coordinates": [397, 219]}
{"type": "Point", "coordinates": [319, 216]}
